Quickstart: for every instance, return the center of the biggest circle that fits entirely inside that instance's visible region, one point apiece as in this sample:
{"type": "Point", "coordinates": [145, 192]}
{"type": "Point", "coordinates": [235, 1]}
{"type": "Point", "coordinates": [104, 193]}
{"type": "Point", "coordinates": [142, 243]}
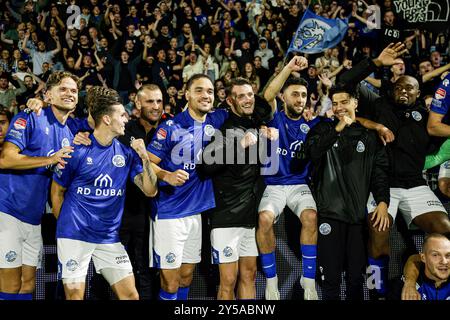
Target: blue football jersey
{"type": "Point", "coordinates": [293, 166]}
{"type": "Point", "coordinates": [79, 125]}
{"type": "Point", "coordinates": [23, 193]}
{"type": "Point", "coordinates": [441, 100]}
{"type": "Point", "coordinates": [178, 142]}
{"type": "Point", "coordinates": [428, 291]}
{"type": "Point", "coordinates": [95, 179]}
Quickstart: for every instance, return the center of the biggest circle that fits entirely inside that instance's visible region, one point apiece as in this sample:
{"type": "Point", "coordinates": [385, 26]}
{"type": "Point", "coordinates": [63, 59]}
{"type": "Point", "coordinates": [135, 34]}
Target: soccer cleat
{"type": "Point", "coordinates": [309, 287]}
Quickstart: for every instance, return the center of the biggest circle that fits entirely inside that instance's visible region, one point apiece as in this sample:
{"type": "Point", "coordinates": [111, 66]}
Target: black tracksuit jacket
{"type": "Point", "coordinates": [409, 124]}
{"type": "Point", "coordinates": [346, 167]}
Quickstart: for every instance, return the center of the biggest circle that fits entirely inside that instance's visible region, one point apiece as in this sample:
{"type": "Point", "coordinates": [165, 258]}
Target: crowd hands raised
{"type": "Point", "coordinates": [127, 47]}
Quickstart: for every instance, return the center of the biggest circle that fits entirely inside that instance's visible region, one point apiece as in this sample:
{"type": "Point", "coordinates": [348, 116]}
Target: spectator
{"type": "Point", "coordinates": [5, 119]}
{"type": "Point", "coordinates": [40, 55]}
{"type": "Point", "coordinates": [195, 66]}
{"type": "Point", "coordinates": [264, 53]}
{"type": "Point", "coordinates": [8, 95]}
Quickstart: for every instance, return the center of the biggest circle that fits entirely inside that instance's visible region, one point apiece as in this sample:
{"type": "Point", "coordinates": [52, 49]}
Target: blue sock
{"type": "Point", "coordinates": [24, 296]}
{"type": "Point", "coordinates": [383, 264]}
{"type": "Point", "coordinates": [16, 296]}
{"type": "Point", "coordinates": [309, 256]}
{"type": "Point", "coordinates": [166, 295]}
{"type": "Point", "coordinates": [182, 293]}
{"type": "Point", "coordinates": [269, 265]}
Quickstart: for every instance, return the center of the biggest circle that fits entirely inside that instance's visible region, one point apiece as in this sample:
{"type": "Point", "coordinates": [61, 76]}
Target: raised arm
{"type": "Point", "coordinates": [3, 39]}
{"type": "Point", "coordinates": [436, 72]}
{"type": "Point", "coordinates": [296, 64]}
{"type": "Point", "coordinates": [182, 63]}
{"type": "Point", "coordinates": [369, 24]}
{"type": "Point", "coordinates": [363, 69]}
{"type": "Point", "coordinates": [24, 43]}
{"type": "Point", "coordinates": [58, 46]}
{"type": "Point", "coordinates": [147, 180]}
{"type": "Point", "coordinates": [100, 65]}
{"type": "Point", "coordinates": [77, 65]}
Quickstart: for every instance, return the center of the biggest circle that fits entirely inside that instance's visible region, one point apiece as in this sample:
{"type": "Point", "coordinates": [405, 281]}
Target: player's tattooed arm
{"type": "Point", "coordinates": [147, 180]}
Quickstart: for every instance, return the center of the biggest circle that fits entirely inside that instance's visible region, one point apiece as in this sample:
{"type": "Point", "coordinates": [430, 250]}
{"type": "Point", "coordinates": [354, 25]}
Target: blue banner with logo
{"type": "Point", "coordinates": [316, 34]}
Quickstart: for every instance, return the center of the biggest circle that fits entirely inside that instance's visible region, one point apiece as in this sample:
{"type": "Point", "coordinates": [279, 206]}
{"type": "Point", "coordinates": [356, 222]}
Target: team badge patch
{"type": "Point", "coordinates": [118, 161]}
{"type": "Point", "coordinates": [169, 123]}
{"type": "Point", "coordinates": [325, 229]}
{"type": "Point", "coordinates": [416, 115]}
{"type": "Point", "coordinates": [11, 256]}
{"type": "Point", "coordinates": [304, 128]}
{"type": "Point", "coordinates": [20, 124]}
{"type": "Point", "coordinates": [71, 265]}
{"type": "Point", "coordinates": [360, 147]}
{"type": "Point", "coordinates": [170, 257]}
{"type": "Point", "coordinates": [440, 94]}
{"type": "Point", "coordinates": [65, 142]}
{"type": "Point", "coordinates": [89, 160]}
{"type": "Point", "coordinates": [446, 82]}
{"type": "Point", "coordinates": [161, 134]}
{"type": "Point", "coordinates": [227, 252]}
{"type": "Point", "coordinates": [209, 130]}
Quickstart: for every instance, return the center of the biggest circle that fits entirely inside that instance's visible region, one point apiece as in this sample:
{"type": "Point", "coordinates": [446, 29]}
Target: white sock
{"type": "Point", "coordinates": [272, 282]}
{"type": "Point", "coordinates": [309, 283]}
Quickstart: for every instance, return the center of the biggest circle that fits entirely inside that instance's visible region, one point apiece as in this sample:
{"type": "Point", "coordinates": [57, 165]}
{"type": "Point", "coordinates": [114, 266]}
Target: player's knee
{"type": "Point", "coordinates": [265, 220]}
{"type": "Point", "coordinates": [169, 283]}
{"type": "Point", "coordinates": [131, 295]}
{"type": "Point", "coordinates": [248, 275]}
{"type": "Point", "coordinates": [28, 285]}
{"type": "Point", "coordinates": [186, 281]}
{"type": "Point", "coordinates": [11, 285]}
{"type": "Point", "coordinates": [228, 280]}
{"type": "Point", "coordinates": [308, 218]}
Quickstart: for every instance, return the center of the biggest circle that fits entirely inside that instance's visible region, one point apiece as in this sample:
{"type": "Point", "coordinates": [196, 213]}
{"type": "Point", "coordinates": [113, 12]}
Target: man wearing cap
{"type": "Point", "coordinates": [264, 52]}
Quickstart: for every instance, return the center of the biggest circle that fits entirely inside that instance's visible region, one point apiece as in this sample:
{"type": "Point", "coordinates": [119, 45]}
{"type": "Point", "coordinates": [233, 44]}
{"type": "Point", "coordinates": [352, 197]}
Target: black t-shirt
{"type": "Point", "coordinates": [92, 78]}
{"type": "Point", "coordinates": [125, 78]}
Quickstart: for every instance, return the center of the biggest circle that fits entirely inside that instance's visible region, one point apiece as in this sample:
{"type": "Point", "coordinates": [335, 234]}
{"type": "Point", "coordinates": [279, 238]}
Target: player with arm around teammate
{"type": "Point", "coordinates": [88, 200]}
{"type": "Point", "coordinates": [33, 146]}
